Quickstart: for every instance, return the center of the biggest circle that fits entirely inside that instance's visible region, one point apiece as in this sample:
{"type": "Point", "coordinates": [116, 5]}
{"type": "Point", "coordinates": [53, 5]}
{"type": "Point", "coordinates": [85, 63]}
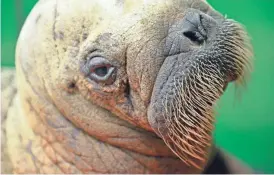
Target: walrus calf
{"type": "Point", "coordinates": [120, 86]}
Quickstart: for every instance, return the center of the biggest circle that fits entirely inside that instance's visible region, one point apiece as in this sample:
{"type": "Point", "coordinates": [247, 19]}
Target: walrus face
{"type": "Point", "coordinates": [160, 66]}
{"type": "Point", "coordinates": [178, 62]}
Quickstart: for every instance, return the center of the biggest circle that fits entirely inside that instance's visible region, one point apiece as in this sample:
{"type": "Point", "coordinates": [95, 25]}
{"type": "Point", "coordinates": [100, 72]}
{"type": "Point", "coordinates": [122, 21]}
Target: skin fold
{"type": "Point", "coordinates": [113, 86]}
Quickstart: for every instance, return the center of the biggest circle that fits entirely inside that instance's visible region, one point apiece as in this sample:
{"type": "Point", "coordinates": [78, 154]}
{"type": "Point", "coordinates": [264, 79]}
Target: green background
{"type": "Point", "coordinates": [245, 126]}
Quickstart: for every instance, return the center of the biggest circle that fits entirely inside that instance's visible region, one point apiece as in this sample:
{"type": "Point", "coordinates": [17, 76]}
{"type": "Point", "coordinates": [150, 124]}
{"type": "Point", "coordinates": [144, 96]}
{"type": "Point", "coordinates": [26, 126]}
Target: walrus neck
{"type": "Point", "coordinates": [39, 146]}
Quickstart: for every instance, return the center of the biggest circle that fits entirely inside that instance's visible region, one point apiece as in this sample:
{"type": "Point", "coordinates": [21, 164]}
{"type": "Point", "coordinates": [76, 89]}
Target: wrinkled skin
{"type": "Point", "coordinates": [154, 114]}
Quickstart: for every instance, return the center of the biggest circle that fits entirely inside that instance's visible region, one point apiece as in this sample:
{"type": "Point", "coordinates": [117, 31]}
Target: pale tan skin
{"type": "Point", "coordinates": [57, 122]}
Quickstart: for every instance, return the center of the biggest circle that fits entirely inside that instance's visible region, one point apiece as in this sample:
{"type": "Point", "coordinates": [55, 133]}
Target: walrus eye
{"type": "Point", "coordinates": [100, 70]}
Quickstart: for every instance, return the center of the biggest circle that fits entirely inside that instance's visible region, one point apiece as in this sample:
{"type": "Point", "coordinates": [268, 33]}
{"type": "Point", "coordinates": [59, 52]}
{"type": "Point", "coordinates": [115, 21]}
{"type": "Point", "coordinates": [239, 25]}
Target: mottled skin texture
{"type": "Point", "coordinates": [60, 121]}
{"type": "Point", "coordinates": [8, 91]}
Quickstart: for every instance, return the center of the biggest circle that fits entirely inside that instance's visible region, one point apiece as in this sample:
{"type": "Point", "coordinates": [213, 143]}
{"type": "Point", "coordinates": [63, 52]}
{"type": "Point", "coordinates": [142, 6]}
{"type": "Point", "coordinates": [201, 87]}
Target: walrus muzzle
{"type": "Point", "coordinates": [191, 81]}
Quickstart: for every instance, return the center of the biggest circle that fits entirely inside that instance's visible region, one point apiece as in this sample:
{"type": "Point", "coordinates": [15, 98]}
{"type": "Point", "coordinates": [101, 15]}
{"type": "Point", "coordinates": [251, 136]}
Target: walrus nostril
{"type": "Point", "coordinates": [194, 29]}
{"type": "Point", "coordinates": [194, 36]}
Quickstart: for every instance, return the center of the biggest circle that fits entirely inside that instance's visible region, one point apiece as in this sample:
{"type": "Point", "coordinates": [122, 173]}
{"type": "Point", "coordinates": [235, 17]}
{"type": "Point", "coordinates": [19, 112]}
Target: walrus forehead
{"type": "Point", "coordinates": [119, 16]}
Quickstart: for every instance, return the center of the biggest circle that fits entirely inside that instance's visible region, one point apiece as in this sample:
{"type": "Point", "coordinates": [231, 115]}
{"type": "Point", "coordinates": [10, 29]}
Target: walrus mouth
{"type": "Point", "coordinates": [183, 100]}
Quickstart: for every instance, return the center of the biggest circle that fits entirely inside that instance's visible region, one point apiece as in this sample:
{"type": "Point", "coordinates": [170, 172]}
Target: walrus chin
{"type": "Point", "coordinates": [181, 111]}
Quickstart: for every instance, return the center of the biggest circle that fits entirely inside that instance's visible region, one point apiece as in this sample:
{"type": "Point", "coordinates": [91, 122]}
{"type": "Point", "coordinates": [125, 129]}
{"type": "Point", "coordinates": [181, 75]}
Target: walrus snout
{"type": "Point", "coordinates": [191, 81]}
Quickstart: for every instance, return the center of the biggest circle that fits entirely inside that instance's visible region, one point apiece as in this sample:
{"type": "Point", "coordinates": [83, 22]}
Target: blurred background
{"type": "Point", "coordinates": [245, 125]}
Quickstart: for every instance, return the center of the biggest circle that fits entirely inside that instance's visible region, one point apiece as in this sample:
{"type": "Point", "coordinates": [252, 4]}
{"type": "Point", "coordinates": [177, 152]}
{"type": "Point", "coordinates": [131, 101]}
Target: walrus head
{"type": "Point", "coordinates": [159, 65]}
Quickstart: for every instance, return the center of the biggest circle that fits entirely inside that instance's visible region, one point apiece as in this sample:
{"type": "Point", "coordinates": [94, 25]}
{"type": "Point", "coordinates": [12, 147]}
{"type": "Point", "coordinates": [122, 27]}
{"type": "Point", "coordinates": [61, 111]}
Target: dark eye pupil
{"type": "Point", "coordinates": [101, 71]}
